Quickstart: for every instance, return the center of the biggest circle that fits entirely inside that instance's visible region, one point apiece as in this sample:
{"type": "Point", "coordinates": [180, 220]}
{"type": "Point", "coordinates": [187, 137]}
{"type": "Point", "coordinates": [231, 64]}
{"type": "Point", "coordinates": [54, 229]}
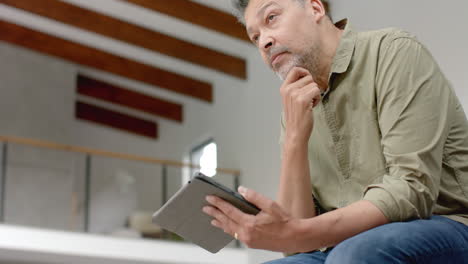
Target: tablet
{"type": "Point", "coordinates": [183, 214]}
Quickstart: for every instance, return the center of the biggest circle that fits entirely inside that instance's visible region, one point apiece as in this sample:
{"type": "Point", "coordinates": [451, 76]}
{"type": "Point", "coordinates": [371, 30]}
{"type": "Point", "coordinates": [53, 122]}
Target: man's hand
{"type": "Point", "coordinates": [271, 229]}
{"type": "Point", "coordinates": [299, 95]}
{"type": "Point", "coordinates": [275, 230]}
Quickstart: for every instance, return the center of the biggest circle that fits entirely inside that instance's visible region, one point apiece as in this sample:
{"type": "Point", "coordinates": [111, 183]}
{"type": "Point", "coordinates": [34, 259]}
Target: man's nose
{"type": "Point", "coordinates": [266, 43]}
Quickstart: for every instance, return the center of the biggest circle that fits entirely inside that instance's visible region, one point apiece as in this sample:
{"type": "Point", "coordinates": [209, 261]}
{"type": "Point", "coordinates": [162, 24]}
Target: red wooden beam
{"type": "Point", "coordinates": [133, 34]}
{"type": "Point", "coordinates": [116, 120]}
{"type": "Point", "coordinates": [114, 94]}
{"type": "Point", "coordinates": [104, 61]}
{"type": "Point", "coordinates": [198, 14]}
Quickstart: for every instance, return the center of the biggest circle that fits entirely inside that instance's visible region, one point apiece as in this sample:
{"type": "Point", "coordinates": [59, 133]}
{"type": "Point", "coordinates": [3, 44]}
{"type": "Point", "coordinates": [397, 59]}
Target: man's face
{"type": "Point", "coordinates": [285, 34]}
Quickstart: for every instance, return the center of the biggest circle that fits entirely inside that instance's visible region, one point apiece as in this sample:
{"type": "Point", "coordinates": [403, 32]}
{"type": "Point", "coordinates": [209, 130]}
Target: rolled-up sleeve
{"type": "Point", "coordinates": [413, 100]}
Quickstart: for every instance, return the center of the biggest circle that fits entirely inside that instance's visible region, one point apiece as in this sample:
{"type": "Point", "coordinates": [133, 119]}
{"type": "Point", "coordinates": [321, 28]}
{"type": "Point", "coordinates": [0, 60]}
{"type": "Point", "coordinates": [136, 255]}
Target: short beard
{"type": "Point", "coordinates": [308, 60]}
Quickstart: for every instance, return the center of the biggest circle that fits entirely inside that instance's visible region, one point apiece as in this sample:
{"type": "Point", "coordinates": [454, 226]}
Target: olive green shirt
{"type": "Point", "coordinates": [389, 130]}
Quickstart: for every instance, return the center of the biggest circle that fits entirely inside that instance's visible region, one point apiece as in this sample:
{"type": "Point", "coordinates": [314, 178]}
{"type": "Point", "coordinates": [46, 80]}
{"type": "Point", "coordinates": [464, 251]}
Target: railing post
{"type": "Point", "coordinates": [164, 184]}
{"type": "Point", "coordinates": [3, 175]}
{"type": "Point", "coordinates": [165, 234]}
{"type": "Point", "coordinates": [87, 192]}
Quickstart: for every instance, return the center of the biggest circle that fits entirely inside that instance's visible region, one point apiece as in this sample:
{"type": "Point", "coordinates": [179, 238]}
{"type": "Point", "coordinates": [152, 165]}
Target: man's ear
{"type": "Point", "coordinates": [318, 8]}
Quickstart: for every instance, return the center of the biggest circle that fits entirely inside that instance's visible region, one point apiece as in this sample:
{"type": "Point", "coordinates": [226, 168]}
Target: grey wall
{"type": "Point", "coordinates": [37, 92]}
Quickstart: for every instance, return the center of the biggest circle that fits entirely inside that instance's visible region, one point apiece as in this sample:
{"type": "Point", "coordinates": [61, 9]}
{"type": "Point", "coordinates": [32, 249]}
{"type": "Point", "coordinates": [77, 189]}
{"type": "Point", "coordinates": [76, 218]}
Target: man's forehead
{"type": "Point", "coordinates": [255, 8]}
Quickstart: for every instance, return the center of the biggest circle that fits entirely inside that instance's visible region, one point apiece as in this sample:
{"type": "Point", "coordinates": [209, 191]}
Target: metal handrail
{"type": "Point", "coordinates": [97, 152]}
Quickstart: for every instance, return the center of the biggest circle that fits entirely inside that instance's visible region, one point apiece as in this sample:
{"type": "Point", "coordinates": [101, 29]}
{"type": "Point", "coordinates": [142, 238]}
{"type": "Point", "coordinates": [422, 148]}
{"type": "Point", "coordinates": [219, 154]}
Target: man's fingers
{"type": "Point", "coordinates": [316, 100]}
{"type": "Point", "coordinates": [309, 94]}
{"type": "Point", "coordinates": [229, 210]}
{"type": "Point", "coordinates": [312, 94]}
{"type": "Point", "coordinates": [304, 81]}
{"type": "Point", "coordinates": [215, 213]}
{"type": "Point", "coordinates": [287, 90]}
{"type": "Point", "coordinates": [265, 204]}
{"type": "Point", "coordinates": [295, 74]}
{"type": "Point", "coordinates": [221, 220]}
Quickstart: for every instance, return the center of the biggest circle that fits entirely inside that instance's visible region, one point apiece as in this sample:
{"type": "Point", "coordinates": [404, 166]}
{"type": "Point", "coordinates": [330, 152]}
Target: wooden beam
{"type": "Point", "coordinates": [116, 120]}
{"type": "Point", "coordinates": [133, 34]}
{"type": "Point", "coordinates": [198, 14]}
{"type": "Point", "coordinates": [114, 94]}
{"type": "Point", "coordinates": [104, 61]}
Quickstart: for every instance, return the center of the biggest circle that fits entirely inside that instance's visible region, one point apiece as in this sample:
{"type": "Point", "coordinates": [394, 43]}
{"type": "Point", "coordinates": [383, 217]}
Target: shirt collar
{"type": "Point", "coordinates": [344, 52]}
{"type": "Point", "coordinates": [345, 49]}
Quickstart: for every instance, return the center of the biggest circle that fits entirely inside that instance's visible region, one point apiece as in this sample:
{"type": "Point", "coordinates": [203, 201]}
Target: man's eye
{"type": "Point", "coordinates": [271, 17]}
{"type": "Point", "coordinates": [255, 39]}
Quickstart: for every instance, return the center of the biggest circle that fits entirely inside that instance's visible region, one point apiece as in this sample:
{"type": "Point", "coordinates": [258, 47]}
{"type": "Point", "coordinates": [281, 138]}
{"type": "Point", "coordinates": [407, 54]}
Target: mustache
{"type": "Point", "coordinates": [276, 50]}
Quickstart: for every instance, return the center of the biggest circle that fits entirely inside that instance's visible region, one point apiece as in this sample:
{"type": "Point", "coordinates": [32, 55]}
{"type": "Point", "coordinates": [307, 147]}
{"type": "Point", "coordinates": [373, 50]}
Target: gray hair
{"type": "Point", "coordinates": [241, 5]}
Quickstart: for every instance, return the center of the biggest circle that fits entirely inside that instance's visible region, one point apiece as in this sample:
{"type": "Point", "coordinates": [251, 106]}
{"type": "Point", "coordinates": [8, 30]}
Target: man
{"type": "Point", "coordinates": [374, 146]}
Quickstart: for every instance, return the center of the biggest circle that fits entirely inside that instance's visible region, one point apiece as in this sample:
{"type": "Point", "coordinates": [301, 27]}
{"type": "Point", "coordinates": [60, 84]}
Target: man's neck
{"type": "Point", "coordinates": [330, 44]}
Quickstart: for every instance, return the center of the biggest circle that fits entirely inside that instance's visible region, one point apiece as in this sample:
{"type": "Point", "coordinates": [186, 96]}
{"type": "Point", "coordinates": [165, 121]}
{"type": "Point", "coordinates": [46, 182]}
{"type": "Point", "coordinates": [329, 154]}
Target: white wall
{"type": "Point", "coordinates": [175, 139]}
{"type": "Point", "coordinates": [244, 118]}
{"type": "Point", "coordinates": [37, 95]}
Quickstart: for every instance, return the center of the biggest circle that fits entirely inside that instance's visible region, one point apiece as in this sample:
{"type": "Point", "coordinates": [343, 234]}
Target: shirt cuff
{"type": "Point", "coordinates": [385, 201]}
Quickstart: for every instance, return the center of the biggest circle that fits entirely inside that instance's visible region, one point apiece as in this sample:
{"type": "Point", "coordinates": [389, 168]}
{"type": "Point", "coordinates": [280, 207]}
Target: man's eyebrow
{"type": "Point", "coordinates": [260, 13]}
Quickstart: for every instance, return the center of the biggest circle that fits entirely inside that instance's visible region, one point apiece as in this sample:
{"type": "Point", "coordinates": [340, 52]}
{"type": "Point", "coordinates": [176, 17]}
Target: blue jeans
{"type": "Point", "coordinates": [436, 240]}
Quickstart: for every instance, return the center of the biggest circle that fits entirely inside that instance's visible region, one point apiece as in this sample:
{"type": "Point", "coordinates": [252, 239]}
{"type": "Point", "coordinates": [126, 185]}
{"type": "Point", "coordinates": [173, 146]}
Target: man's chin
{"type": "Point", "coordinates": [282, 77]}
{"type": "Point", "coordinates": [283, 72]}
